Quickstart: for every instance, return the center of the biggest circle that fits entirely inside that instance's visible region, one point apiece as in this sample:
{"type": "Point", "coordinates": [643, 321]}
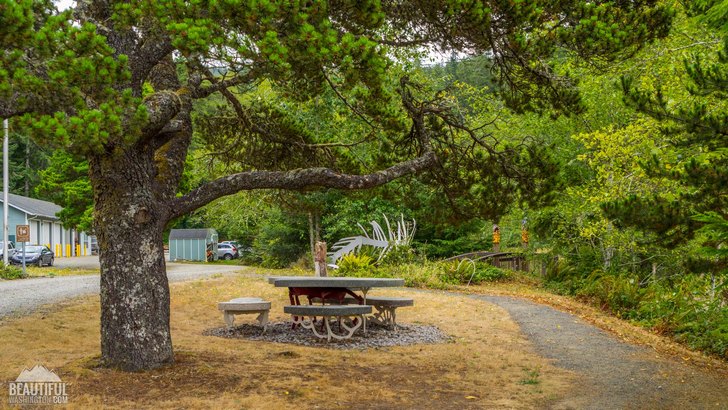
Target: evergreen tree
{"type": "Point", "coordinates": [699, 133]}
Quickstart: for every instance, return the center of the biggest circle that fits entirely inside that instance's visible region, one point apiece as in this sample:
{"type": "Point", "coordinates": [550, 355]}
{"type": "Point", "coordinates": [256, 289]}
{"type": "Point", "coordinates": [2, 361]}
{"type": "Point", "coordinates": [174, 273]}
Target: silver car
{"type": "Point", "coordinates": [11, 249]}
{"type": "Point", "coordinates": [227, 251]}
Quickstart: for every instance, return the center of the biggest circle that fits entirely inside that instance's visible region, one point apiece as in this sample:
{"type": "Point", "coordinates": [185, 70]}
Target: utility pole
{"type": "Point", "coordinates": [6, 184]}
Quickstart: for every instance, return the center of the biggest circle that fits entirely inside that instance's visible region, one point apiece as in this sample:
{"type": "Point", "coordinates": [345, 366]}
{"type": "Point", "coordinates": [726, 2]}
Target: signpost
{"type": "Point", "coordinates": [22, 234]}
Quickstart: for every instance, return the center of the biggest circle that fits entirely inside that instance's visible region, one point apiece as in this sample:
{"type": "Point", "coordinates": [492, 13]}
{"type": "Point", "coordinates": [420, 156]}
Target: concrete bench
{"type": "Point", "coordinates": [349, 317]}
{"type": "Point", "coordinates": [329, 301]}
{"type": "Point", "coordinates": [386, 309]}
{"type": "Point", "coordinates": [245, 306]}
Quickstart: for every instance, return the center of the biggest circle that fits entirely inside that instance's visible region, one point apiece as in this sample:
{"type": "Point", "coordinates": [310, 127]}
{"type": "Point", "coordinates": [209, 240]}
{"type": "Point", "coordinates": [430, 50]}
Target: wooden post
{"type": "Point", "coordinates": [320, 259]}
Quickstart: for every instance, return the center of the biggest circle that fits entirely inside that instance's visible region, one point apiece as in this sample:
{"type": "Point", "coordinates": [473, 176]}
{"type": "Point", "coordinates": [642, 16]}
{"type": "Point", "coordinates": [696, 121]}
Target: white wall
{"type": "Point", "coordinates": [53, 233]}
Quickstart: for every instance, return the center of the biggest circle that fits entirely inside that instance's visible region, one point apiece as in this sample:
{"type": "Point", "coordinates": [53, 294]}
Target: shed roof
{"type": "Point", "coordinates": [191, 233]}
{"type": "Point", "coordinates": [32, 206]}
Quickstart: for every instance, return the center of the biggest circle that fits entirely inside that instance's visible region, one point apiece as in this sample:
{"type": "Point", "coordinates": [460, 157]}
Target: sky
{"type": "Point", "coordinates": [64, 4]}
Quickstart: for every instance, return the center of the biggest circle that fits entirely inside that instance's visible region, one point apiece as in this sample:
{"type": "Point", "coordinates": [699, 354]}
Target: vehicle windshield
{"type": "Point", "coordinates": [32, 249]}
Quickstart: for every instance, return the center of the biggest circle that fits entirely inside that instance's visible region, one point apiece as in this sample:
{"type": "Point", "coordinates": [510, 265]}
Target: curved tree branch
{"type": "Point", "coordinates": [299, 179]}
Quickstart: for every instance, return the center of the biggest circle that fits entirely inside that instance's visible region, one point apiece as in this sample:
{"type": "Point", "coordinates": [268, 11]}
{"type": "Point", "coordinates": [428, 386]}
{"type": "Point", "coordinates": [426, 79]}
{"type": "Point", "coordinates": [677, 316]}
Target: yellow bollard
{"type": "Point", "coordinates": [78, 250]}
{"type": "Point", "coordinates": [68, 249]}
{"type": "Point", "coordinates": [57, 252]}
{"type": "Point", "coordinates": [85, 250]}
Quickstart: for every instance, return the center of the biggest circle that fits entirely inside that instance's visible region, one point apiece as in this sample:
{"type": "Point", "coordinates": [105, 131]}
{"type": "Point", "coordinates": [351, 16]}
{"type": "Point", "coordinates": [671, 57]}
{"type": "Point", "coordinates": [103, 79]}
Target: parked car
{"type": "Point", "coordinates": [11, 249]}
{"type": "Point", "coordinates": [94, 245]}
{"type": "Point", "coordinates": [227, 251]}
{"type": "Point", "coordinates": [241, 250]}
{"type": "Point", "coordinates": [34, 255]}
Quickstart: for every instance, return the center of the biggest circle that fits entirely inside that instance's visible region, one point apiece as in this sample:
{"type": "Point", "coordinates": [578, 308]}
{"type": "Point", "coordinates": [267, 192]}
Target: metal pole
{"type": "Point", "coordinates": [6, 183]}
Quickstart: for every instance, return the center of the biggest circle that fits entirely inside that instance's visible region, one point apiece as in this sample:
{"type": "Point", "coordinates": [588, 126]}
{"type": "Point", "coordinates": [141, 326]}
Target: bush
{"type": "Point", "coordinates": [354, 265]}
{"type": "Point", "coordinates": [399, 255]}
{"type": "Point", "coordinates": [445, 248]}
{"type": "Point", "coordinates": [680, 307]}
{"type": "Point", "coordinates": [11, 272]}
{"type": "Point", "coordinates": [252, 258]}
{"type": "Point", "coordinates": [417, 275]}
{"type": "Point", "coordinates": [280, 242]}
{"type": "Point", "coordinates": [465, 272]}
{"type": "Point", "coordinates": [438, 275]}
{"type": "Point", "coordinates": [621, 293]}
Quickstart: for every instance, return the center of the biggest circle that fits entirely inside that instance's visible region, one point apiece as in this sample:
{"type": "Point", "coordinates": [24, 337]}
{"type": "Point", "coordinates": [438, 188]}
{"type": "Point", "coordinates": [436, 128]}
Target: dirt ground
{"type": "Point", "coordinates": [488, 363]}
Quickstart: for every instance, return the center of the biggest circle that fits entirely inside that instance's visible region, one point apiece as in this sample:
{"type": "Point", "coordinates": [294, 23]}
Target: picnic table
{"type": "Point", "coordinates": [330, 289]}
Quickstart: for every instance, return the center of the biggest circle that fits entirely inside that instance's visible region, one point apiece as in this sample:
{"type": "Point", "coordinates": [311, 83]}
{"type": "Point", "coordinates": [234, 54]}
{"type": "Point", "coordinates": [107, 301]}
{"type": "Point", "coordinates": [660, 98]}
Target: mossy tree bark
{"type": "Point", "coordinates": [135, 300]}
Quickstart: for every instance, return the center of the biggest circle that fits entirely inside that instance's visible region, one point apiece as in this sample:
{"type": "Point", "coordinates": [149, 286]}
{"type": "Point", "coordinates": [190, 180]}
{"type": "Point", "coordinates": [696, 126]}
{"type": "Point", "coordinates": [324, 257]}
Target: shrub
{"type": "Point", "coordinates": [11, 272]}
{"type": "Point", "coordinates": [280, 242]}
{"type": "Point", "coordinates": [438, 275]}
{"type": "Point", "coordinates": [462, 273]}
{"type": "Point", "coordinates": [681, 306]}
{"type": "Point", "coordinates": [621, 293]}
{"type": "Point", "coordinates": [352, 264]}
{"type": "Point", "coordinates": [418, 275]}
{"type": "Point", "coordinates": [398, 255]}
{"type": "Point", "coordinates": [252, 258]}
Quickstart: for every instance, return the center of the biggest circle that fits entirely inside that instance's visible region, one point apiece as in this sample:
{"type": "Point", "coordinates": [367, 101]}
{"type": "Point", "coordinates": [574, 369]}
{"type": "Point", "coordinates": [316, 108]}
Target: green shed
{"type": "Point", "coordinates": [192, 244]}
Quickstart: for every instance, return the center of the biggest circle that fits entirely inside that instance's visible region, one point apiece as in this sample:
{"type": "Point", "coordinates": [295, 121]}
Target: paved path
{"type": "Point", "coordinates": [612, 374]}
{"type": "Point", "coordinates": [24, 296]}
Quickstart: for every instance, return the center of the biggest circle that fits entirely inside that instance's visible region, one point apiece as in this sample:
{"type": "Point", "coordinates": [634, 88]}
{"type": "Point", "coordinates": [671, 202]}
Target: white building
{"type": "Point", "coordinates": [45, 226]}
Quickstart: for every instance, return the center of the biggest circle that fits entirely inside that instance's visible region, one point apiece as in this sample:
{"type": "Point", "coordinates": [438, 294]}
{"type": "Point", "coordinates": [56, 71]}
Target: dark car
{"type": "Point", "coordinates": [34, 255]}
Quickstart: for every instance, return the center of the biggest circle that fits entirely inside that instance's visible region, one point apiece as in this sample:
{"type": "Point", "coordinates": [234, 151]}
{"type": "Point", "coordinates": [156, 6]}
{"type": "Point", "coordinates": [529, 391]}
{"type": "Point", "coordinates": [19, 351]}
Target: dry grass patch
{"type": "Point", "coordinates": [488, 364]}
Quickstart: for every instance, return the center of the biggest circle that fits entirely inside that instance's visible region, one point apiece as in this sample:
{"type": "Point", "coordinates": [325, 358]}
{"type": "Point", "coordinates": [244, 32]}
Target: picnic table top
{"type": "Point", "coordinates": [333, 282]}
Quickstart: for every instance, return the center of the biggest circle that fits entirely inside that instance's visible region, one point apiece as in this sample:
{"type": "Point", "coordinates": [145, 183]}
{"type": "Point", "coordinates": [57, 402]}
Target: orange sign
{"type": "Point", "coordinates": [22, 233]}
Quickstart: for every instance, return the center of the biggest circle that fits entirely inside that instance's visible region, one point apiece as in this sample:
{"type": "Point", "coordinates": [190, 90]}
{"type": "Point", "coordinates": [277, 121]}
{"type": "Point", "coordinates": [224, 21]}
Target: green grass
{"type": "Point", "coordinates": [532, 377]}
{"type": "Point", "coordinates": [52, 271]}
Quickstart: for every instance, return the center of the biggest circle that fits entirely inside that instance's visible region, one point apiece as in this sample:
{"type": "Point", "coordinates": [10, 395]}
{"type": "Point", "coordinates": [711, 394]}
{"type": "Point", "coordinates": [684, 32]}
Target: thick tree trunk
{"type": "Point", "coordinates": [135, 332]}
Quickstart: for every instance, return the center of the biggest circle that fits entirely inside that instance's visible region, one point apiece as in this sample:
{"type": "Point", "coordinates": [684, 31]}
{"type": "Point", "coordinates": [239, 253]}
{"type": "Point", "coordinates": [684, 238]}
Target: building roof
{"type": "Point", "coordinates": [191, 233]}
{"type": "Point", "coordinates": [32, 206]}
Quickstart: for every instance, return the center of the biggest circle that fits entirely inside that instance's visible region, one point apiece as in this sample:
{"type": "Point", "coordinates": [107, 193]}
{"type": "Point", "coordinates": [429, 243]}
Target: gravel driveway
{"type": "Point", "coordinates": [612, 374]}
{"type": "Point", "coordinates": [24, 296]}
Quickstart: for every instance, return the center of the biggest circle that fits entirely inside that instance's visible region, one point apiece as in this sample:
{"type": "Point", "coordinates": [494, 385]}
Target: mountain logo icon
{"type": "Point", "coordinates": [38, 374]}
